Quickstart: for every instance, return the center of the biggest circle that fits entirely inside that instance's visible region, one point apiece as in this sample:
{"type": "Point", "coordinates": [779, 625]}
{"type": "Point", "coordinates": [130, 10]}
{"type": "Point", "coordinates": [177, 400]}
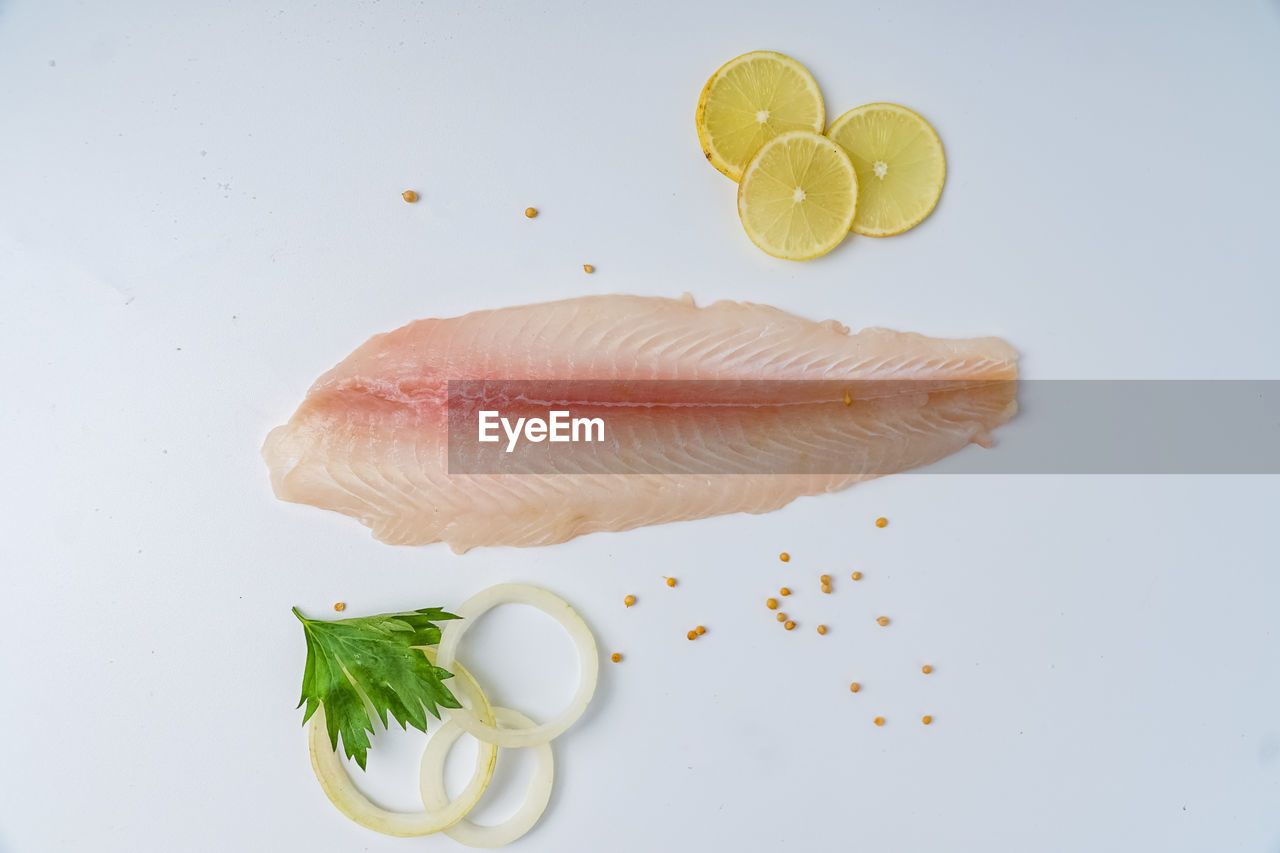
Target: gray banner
{"type": "Point", "coordinates": [869, 428]}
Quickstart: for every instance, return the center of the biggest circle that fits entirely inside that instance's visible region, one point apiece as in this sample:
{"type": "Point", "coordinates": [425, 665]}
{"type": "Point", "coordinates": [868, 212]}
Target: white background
{"type": "Point", "coordinates": [200, 212]}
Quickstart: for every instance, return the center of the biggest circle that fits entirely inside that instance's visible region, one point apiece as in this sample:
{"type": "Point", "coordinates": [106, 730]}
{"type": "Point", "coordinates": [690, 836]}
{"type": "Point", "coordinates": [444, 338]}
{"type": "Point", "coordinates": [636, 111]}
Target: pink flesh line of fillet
{"type": "Point", "coordinates": [371, 438]}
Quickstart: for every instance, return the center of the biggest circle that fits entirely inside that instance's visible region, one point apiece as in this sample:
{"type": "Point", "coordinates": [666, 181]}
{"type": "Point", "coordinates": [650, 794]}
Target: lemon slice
{"type": "Point", "coordinates": [751, 100]}
{"type": "Point", "coordinates": [798, 196]}
{"type": "Point", "coordinates": [900, 166]}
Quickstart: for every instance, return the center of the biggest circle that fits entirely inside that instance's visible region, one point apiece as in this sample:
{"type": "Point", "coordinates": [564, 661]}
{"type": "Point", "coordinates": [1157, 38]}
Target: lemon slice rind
{"type": "Point", "coordinates": [900, 164]}
{"type": "Point", "coordinates": [798, 196]}
{"type": "Point", "coordinates": [750, 100]}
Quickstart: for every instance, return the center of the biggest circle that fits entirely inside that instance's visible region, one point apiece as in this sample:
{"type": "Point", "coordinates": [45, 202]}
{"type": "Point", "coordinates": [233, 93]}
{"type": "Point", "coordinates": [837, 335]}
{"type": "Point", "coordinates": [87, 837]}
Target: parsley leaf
{"type": "Point", "coordinates": [375, 661]}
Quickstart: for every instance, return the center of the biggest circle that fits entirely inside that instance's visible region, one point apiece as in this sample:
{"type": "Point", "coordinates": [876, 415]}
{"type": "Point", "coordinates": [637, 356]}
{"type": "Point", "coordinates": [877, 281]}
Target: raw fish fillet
{"type": "Point", "coordinates": [371, 438]}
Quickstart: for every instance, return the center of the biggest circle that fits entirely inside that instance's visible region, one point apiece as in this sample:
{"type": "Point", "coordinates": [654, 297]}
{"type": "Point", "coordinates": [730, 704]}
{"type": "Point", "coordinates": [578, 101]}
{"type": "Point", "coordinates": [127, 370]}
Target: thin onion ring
{"type": "Point", "coordinates": [338, 786]}
{"type": "Point", "coordinates": [478, 835]}
{"type": "Point", "coordinates": [557, 609]}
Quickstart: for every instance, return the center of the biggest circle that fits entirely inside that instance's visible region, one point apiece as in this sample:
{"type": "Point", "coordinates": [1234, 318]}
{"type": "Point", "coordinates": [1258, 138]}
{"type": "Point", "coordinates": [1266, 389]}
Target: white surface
{"type": "Point", "coordinates": [200, 212]}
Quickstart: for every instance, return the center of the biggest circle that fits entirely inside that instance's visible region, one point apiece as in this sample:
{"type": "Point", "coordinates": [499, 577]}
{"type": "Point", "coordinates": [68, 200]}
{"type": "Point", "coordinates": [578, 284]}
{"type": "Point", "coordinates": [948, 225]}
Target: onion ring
{"type": "Point", "coordinates": [557, 609]}
{"type": "Point", "coordinates": [338, 786]}
{"type": "Point", "coordinates": [479, 835]}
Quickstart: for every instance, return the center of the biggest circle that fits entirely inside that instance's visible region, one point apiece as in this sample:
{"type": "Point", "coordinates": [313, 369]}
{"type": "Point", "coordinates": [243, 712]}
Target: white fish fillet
{"type": "Point", "coordinates": [371, 438]}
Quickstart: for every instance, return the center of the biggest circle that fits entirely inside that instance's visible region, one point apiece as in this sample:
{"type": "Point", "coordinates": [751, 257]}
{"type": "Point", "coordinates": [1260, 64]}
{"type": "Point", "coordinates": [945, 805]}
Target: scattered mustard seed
{"type": "Point", "coordinates": [629, 600]}
{"type": "Point", "coordinates": [926, 669]}
{"type": "Point", "coordinates": [786, 590]}
{"type": "Point", "coordinates": [882, 621]}
{"type": "Point", "coordinates": [692, 635]}
{"type": "Point", "coordinates": [789, 625]}
{"type": "Point", "coordinates": [409, 196]}
{"type": "Point", "coordinates": [340, 606]}
{"type": "Point", "coordinates": [882, 522]}
{"type": "Point", "coordinates": [826, 587]}
{"type": "Point", "coordinates": [855, 687]}
{"type": "Point", "coordinates": [615, 657]}
{"type": "Point", "coordinates": [700, 630]}
{"type": "Point", "coordinates": [822, 629]}
{"type": "Point", "coordinates": [879, 721]}
{"type": "Point", "coordinates": [848, 401]}
{"type": "Point", "coordinates": [588, 269]}
{"type": "Point", "coordinates": [926, 719]}
{"type": "Point", "coordinates": [771, 603]}
{"type": "Point", "coordinates": [784, 557]}
{"type": "Point", "coordinates": [824, 579]}
{"type": "Point", "coordinates": [782, 617]}
{"type": "Point", "coordinates": [531, 212]}
{"type": "Point", "coordinates": [671, 581]}
{"type": "Point", "coordinates": [856, 576]}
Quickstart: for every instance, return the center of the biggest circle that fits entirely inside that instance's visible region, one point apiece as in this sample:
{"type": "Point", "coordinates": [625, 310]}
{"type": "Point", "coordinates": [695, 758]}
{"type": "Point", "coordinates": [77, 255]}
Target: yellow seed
{"type": "Point", "coordinates": [881, 522]}
{"type": "Point", "coordinates": [409, 196]}
{"type": "Point", "coordinates": [629, 600]}
{"type": "Point", "coordinates": [771, 603]}
{"type": "Point", "coordinates": [531, 212]}
{"type": "Point", "coordinates": [615, 657]}
{"type": "Point", "coordinates": [671, 581]}
{"type": "Point", "coordinates": [826, 587]}
{"type": "Point", "coordinates": [588, 269]}
{"type": "Point", "coordinates": [848, 401]}
{"type": "Point", "coordinates": [926, 719]}
{"type": "Point", "coordinates": [855, 687]}
{"type": "Point", "coordinates": [340, 606]}
{"type": "Point", "coordinates": [692, 635]}
{"type": "Point", "coordinates": [786, 590]}
{"type": "Point", "coordinates": [700, 630]}
{"type": "Point", "coordinates": [879, 721]}
{"type": "Point", "coordinates": [784, 557]}
{"type": "Point", "coordinates": [789, 625]}
{"type": "Point", "coordinates": [822, 629]}
{"type": "Point", "coordinates": [926, 669]}
{"type": "Point", "coordinates": [782, 617]}
{"type": "Point", "coordinates": [882, 621]}
{"type": "Point", "coordinates": [856, 576]}
{"type": "Point", "coordinates": [825, 579]}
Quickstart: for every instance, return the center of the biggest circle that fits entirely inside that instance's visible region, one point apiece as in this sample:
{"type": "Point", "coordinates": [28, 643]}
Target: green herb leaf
{"type": "Point", "coordinates": [373, 662]}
